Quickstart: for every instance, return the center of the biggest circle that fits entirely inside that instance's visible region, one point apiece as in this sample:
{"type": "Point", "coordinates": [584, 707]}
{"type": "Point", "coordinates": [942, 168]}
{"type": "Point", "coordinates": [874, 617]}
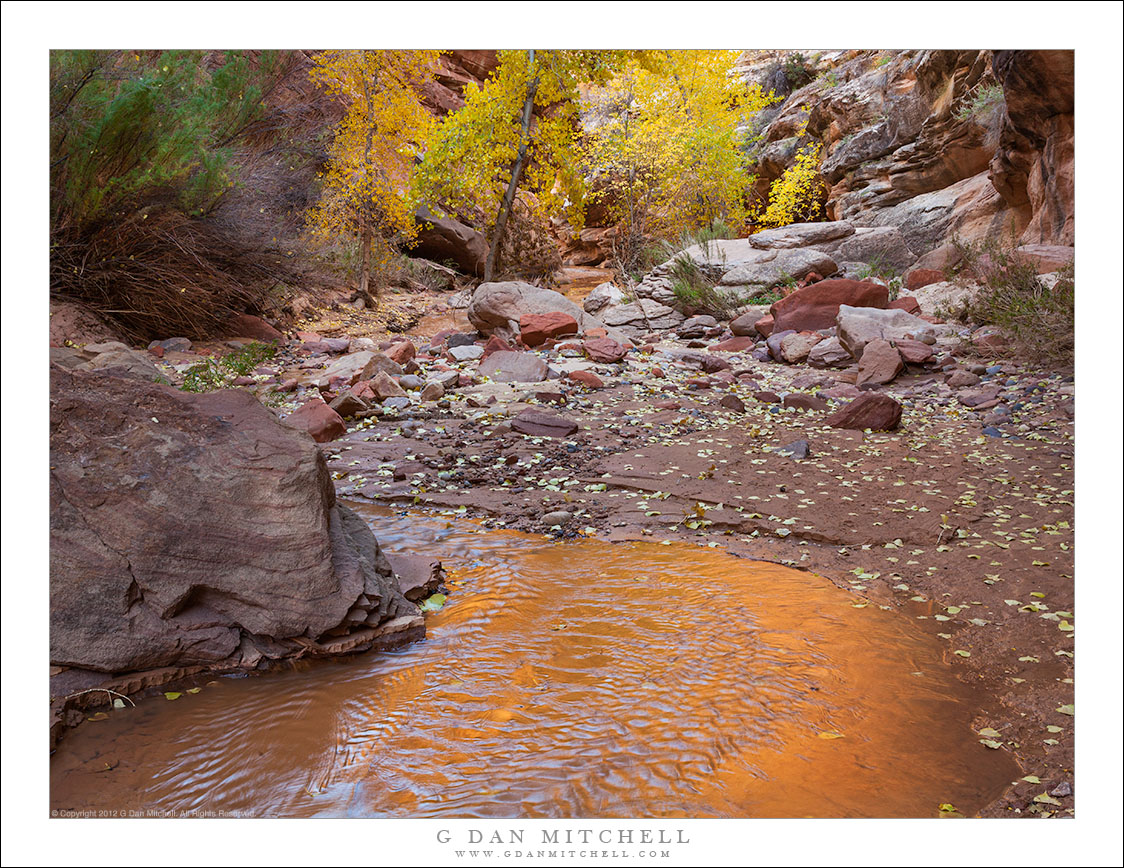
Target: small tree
{"type": "Point", "coordinates": [664, 144]}
{"type": "Point", "coordinates": [519, 131]}
{"type": "Point", "coordinates": [366, 192]}
{"type": "Point", "coordinates": [797, 195]}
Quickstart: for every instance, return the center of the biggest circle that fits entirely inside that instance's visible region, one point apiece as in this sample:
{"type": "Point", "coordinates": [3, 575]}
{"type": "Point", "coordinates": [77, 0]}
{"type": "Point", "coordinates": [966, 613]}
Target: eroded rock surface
{"type": "Point", "coordinates": [195, 529]}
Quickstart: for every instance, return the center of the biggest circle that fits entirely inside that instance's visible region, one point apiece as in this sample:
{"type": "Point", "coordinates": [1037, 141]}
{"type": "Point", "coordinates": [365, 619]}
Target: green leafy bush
{"type": "Point", "coordinates": [142, 150]}
{"type": "Point", "coordinates": [980, 101]}
{"type": "Point", "coordinates": [209, 375]}
{"type": "Point", "coordinates": [1039, 318]}
{"type": "Point", "coordinates": [695, 291]}
{"type": "Point", "coordinates": [880, 269]}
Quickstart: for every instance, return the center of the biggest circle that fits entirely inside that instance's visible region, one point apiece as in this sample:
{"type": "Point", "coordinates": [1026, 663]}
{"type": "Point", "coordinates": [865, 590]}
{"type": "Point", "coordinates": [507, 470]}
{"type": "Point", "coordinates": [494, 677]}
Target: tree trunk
{"type": "Point", "coordinates": [516, 171]}
{"type": "Point", "coordinates": [365, 230]}
{"type": "Point", "coordinates": [365, 264]}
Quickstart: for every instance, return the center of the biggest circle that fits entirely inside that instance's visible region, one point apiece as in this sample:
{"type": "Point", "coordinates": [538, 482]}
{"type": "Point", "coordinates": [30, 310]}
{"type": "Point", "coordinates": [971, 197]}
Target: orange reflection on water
{"type": "Point", "coordinates": [579, 679]}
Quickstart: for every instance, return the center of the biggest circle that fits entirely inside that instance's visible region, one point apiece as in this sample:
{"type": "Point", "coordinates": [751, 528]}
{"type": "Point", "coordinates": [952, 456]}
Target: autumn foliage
{"type": "Point", "coordinates": [664, 146]}
{"type": "Point", "coordinates": [367, 192]}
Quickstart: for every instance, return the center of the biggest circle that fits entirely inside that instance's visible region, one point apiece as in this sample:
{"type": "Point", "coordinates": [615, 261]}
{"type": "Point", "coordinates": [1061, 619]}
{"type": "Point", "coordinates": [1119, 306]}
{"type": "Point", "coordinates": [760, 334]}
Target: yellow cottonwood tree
{"type": "Point", "coordinates": [366, 192]}
{"type": "Point", "coordinates": [664, 142]}
{"type": "Point", "coordinates": [797, 196]}
{"type": "Point", "coordinates": [517, 131]}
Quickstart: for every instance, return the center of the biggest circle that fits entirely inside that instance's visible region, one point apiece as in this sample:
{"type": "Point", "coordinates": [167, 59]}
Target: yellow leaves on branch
{"type": "Point", "coordinates": [367, 184]}
{"type": "Point", "coordinates": [797, 195]}
{"type": "Point", "coordinates": [472, 151]}
{"type": "Point", "coordinates": [665, 141]}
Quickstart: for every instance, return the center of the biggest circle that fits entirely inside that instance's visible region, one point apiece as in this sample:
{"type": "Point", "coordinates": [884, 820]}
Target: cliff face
{"type": "Point", "coordinates": [938, 143]}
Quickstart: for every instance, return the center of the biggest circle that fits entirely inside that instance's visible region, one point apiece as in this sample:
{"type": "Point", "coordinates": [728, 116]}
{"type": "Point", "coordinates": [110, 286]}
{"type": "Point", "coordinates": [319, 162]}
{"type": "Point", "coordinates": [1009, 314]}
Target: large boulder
{"type": "Point", "coordinates": [196, 529]}
{"type": "Point", "coordinates": [642, 316]}
{"type": "Point", "coordinates": [775, 268]}
{"type": "Point", "coordinates": [602, 296]}
{"type": "Point", "coordinates": [872, 410]}
{"type": "Point", "coordinates": [800, 235]}
{"type": "Point", "coordinates": [817, 306]}
{"type": "Point", "coordinates": [858, 326]}
{"type": "Point", "coordinates": [444, 239]}
{"type": "Point", "coordinates": [497, 308]}
{"type": "Point", "coordinates": [513, 367]}
{"type": "Point", "coordinates": [883, 245]}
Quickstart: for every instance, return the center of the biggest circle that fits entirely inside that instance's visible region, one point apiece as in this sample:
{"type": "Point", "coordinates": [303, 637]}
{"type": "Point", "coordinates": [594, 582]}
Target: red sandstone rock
{"type": "Point", "coordinates": [319, 420]}
{"type": "Point", "coordinates": [732, 345]}
{"type": "Point", "coordinates": [907, 303]}
{"type": "Point", "coordinates": [246, 325]}
{"type": "Point", "coordinates": [914, 352]}
{"type": "Point", "coordinates": [765, 325]}
{"type": "Point", "coordinates": [604, 350]}
{"type": "Point", "coordinates": [880, 363]}
{"type": "Point", "coordinates": [732, 402]}
{"type": "Point", "coordinates": [802, 401]}
{"type": "Point", "coordinates": [817, 306]}
{"type": "Point", "coordinates": [537, 424]}
{"type": "Point", "coordinates": [588, 379]}
{"type": "Point", "coordinates": [536, 328]}
{"type": "Point", "coordinates": [919, 277]}
{"type": "Point", "coordinates": [871, 410]}
{"type": "Point", "coordinates": [401, 351]}
{"type": "Point", "coordinates": [496, 344]}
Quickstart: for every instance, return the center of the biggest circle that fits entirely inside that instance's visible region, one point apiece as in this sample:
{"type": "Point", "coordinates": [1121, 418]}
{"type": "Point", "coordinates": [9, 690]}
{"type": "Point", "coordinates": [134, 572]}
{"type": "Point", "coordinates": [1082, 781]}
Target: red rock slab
{"type": "Point", "coordinates": [319, 420]}
{"type": "Point", "coordinates": [588, 379]}
{"type": "Point", "coordinates": [817, 306]}
{"type": "Point", "coordinates": [604, 350]}
{"type": "Point", "coordinates": [872, 410]}
{"type": "Point", "coordinates": [907, 303]}
{"type": "Point", "coordinates": [919, 277]}
{"type": "Point", "coordinates": [537, 328]}
{"type": "Point", "coordinates": [914, 352]}
{"type": "Point", "coordinates": [732, 345]}
{"type": "Point", "coordinates": [537, 424]}
{"type": "Point", "coordinates": [800, 401]}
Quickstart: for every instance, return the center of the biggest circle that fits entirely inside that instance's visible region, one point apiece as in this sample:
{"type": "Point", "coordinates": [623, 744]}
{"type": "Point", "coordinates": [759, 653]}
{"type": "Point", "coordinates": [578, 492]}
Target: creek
{"type": "Point", "coordinates": [570, 679]}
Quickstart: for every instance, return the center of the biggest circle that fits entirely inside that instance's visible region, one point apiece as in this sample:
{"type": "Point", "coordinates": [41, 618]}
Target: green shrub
{"type": "Point", "coordinates": [980, 101]}
{"type": "Point", "coordinates": [209, 375]}
{"type": "Point", "coordinates": [880, 269]}
{"type": "Point", "coordinates": [142, 150]}
{"type": "Point", "coordinates": [1039, 319]}
{"type": "Point", "coordinates": [797, 70]}
{"type": "Point", "coordinates": [695, 291]}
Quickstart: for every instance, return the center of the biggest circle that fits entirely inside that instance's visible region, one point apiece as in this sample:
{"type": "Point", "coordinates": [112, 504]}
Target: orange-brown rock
{"type": "Point", "coordinates": [817, 306]}
{"type": "Point", "coordinates": [537, 328]}
{"type": "Point", "coordinates": [871, 410]}
{"type": "Point", "coordinates": [320, 421]}
{"type": "Point", "coordinates": [227, 546]}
